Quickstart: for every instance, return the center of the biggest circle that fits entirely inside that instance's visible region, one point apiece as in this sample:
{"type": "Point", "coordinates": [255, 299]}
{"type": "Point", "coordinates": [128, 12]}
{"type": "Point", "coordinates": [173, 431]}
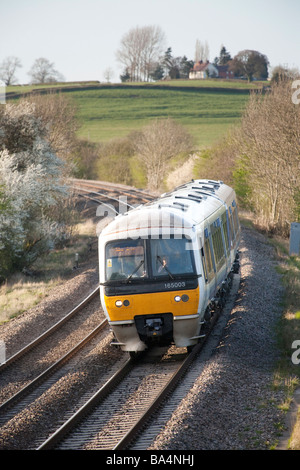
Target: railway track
{"type": "Point", "coordinates": [137, 388]}
{"type": "Point", "coordinates": [115, 415]}
{"type": "Point", "coordinates": [100, 191]}
{"type": "Point", "coordinates": [112, 188]}
{"type": "Point", "coordinates": [38, 383]}
{"type": "Point", "coordinates": [29, 347]}
{"type": "Point", "coordinates": [12, 367]}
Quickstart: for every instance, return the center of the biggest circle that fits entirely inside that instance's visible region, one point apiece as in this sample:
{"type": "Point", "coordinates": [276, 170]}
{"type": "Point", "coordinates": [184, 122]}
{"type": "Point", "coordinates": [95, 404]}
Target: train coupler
{"type": "Point", "coordinates": [154, 327]}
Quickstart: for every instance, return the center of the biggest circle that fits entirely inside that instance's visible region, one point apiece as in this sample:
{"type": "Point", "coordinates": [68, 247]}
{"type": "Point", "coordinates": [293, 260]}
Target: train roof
{"type": "Point", "coordinates": [198, 198]}
{"type": "Point", "coordinates": [188, 204]}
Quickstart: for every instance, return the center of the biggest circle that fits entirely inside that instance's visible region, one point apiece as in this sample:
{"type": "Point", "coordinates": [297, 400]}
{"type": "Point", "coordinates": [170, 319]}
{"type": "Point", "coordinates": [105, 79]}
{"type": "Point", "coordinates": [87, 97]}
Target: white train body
{"type": "Point", "coordinates": [164, 265]}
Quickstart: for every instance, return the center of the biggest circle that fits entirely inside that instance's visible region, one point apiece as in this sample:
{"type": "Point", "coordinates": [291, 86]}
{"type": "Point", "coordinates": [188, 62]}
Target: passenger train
{"type": "Point", "coordinates": [165, 265]}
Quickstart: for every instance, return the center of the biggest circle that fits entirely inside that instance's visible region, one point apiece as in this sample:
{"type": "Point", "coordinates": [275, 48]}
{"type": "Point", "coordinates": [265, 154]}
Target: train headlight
{"type": "Point", "coordinates": [184, 298]}
{"type": "Point", "coordinates": [119, 303]}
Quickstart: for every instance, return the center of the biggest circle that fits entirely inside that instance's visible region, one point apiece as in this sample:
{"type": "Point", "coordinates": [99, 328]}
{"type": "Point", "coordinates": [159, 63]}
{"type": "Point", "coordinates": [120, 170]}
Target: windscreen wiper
{"type": "Point", "coordinates": [136, 269]}
{"type": "Point", "coordinates": [165, 267]}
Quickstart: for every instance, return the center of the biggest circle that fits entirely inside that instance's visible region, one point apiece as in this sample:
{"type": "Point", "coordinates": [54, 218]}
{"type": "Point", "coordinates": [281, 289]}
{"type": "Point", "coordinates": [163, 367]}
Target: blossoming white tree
{"type": "Point", "coordinates": [30, 185]}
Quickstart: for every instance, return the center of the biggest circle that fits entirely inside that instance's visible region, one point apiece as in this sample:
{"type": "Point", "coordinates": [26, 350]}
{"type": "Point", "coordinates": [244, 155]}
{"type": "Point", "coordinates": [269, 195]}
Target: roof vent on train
{"type": "Point", "coordinates": [215, 184]}
{"type": "Point", "coordinates": [190, 197]}
{"type": "Point", "coordinates": [175, 205]}
{"type": "Point", "coordinates": [206, 187]}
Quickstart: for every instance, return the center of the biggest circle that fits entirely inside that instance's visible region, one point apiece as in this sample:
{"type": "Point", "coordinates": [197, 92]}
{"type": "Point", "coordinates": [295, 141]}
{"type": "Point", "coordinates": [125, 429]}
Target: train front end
{"type": "Point", "coordinates": [148, 280]}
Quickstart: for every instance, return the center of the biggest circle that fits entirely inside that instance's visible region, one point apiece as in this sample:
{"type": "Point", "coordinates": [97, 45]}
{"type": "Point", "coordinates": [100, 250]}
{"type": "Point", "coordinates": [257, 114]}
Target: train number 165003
{"type": "Point", "coordinates": [174, 285]}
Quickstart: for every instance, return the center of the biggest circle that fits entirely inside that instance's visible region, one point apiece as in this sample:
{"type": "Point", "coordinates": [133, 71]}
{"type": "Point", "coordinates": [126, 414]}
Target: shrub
{"type": "Point", "coordinates": [31, 182]}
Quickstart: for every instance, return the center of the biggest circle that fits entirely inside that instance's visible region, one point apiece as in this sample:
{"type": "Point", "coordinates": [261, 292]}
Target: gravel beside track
{"type": "Point", "coordinates": [232, 404]}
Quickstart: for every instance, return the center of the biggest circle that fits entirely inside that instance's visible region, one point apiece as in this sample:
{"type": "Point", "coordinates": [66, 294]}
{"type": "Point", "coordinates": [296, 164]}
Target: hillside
{"type": "Point", "coordinates": [206, 108]}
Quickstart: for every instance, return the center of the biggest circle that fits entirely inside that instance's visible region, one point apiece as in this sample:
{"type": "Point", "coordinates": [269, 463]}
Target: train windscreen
{"type": "Point", "coordinates": [125, 259]}
{"type": "Point", "coordinates": [171, 256]}
{"type": "Point", "coordinates": [152, 258]}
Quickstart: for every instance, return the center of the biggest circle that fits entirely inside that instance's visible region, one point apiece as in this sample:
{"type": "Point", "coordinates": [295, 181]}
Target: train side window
{"type": "Point", "coordinates": [225, 230]}
{"type": "Point", "coordinates": [207, 261]}
{"type": "Point", "coordinates": [217, 242]}
{"type": "Point", "coordinates": [232, 231]}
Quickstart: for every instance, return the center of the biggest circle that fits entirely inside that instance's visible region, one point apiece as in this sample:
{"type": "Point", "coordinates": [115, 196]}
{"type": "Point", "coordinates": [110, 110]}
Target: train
{"type": "Point", "coordinates": [166, 266]}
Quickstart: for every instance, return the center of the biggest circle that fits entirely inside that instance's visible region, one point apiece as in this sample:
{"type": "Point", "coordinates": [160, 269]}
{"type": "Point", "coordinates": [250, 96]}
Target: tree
{"type": "Point", "coordinates": [280, 73]}
{"type": "Point", "coordinates": [185, 67]}
{"type": "Point", "coordinates": [176, 67]}
{"type": "Point", "coordinates": [108, 74]}
{"type": "Point", "coordinates": [158, 73]}
{"type": "Point", "coordinates": [57, 115]}
{"type": "Point", "coordinates": [251, 64]}
{"type": "Point", "coordinates": [43, 71]}
{"type": "Point", "coordinates": [156, 144]}
{"type": "Point", "coordinates": [167, 60]}
{"type": "Point", "coordinates": [140, 50]}
{"type": "Point", "coordinates": [224, 57]}
{"type": "Point", "coordinates": [268, 143]}
{"type": "Point", "coordinates": [125, 76]}
{"type": "Point", "coordinates": [201, 51]}
{"type": "Point", "coordinates": [31, 186]}
{"type": "Point", "coordinates": [8, 70]}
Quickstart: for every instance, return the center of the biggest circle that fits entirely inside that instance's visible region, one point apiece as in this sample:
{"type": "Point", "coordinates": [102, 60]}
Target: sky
{"type": "Point", "coordinates": [81, 37]}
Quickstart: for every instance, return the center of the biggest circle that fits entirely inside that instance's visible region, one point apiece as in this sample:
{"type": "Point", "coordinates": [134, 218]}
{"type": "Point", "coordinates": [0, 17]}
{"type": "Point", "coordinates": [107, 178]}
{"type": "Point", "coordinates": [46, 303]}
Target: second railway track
{"type": "Point", "coordinates": [114, 194]}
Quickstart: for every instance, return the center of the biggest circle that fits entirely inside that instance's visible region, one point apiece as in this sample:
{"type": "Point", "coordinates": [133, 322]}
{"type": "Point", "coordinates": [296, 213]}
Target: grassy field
{"type": "Point", "coordinates": [206, 108]}
{"type": "Point", "coordinates": [109, 113]}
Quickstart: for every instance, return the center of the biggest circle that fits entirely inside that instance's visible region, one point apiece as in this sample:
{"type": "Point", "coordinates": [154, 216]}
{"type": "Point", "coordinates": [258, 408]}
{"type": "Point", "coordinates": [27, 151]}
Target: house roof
{"type": "Point", "coordinates": [200, 66]}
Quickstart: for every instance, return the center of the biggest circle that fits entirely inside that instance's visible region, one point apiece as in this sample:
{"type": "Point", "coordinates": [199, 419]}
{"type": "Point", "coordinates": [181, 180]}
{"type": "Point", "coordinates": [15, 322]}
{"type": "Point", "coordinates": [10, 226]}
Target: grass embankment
{"type": "Point", "coordinates": [288, 372]}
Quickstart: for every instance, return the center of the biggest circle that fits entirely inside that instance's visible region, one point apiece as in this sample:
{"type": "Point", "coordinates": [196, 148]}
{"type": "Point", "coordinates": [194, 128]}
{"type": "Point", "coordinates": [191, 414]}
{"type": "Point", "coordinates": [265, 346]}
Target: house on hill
{"type": "Point", "coordinates": [203, 70]}
{"type": "Point", "coordinates": [224, 72]}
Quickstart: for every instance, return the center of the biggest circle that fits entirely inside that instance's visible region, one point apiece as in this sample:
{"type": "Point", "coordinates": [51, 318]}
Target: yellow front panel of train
{"type": "Point", "coordinates": [157, 302]}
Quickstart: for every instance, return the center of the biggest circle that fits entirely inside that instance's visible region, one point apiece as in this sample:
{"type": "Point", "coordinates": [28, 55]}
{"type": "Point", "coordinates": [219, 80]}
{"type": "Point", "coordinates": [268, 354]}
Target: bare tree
{"type": "Point", "coordinates": [8, 69]}
{"type": "Point", "coordinates": [281, 72]}
{"type": "Point", "coordinates": [140, 49]}
{"type": "Point", "coordinates": [269, 145]}
{"type": "Point", "coordinates": [57, 114]}
{"type": "Point", "coordinates": [156, 144]}
{"type": "Point", "coordinates": [43, 71]}
{"type": "Point", "coordinates": [201, 51]}
{"type": "Point", "coordinates": [108, 74]}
